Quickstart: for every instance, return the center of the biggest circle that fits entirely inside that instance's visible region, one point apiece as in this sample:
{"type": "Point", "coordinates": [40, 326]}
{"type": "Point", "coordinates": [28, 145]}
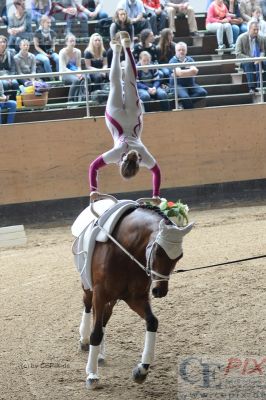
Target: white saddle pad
{"type": "Point", "coordinates": [86, 216]}
{"type": "Point", "coordinates": [84, 243]}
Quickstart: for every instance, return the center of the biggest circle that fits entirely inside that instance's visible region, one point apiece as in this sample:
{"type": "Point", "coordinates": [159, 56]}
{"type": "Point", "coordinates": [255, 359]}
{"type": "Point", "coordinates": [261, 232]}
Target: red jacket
{"type": "Point", "coordinates": [216, 14]}
{"type": "Point", "coordinates": [152, 3]}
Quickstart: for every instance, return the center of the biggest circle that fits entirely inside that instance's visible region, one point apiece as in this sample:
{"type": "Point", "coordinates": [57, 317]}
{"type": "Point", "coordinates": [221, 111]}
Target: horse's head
{"type": "Point", "coordinates": [163, 254]}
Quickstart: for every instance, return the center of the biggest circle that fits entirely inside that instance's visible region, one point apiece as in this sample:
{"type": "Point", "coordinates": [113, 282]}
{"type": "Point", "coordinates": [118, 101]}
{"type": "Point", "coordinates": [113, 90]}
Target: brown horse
{"type": "Point", "coordinates": [149, 245]}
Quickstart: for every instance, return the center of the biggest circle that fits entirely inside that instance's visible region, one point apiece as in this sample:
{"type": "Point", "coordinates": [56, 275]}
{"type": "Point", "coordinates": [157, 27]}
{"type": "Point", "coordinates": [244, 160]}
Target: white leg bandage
{"type": "Point", "coordinates": [84, 328]}
{"type": "Point", "coordinates": [92, 364]}
{"type": "Point", "coordinates": [149, 347]}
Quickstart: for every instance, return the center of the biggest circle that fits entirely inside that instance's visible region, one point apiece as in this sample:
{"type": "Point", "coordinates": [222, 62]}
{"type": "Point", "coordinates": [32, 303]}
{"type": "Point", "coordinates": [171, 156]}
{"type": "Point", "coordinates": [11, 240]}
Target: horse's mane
{"type": "Point", "coordinates": [157, 210]}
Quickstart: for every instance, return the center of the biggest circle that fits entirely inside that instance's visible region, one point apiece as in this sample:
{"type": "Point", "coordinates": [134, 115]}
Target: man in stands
{"type": "Point", "coordinates": [247, 7]}
{"type": "Point", "coordinates": [92, 8]}
{"type": "Point", "coordinates": [156, 14]}
{"type": "Point", "coordinates": [188, 90]}
{"type": "Point", "coordinates": [174, 7]}
{"type": "Point", "coordinates": [251, 44]}
{"type": "Point", "coordinates": [70, 11]}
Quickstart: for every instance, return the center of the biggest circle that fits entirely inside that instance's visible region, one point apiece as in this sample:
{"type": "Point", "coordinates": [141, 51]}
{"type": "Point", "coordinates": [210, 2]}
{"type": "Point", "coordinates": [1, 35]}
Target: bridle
{"type": "Point", "coordinates": [149, 251]}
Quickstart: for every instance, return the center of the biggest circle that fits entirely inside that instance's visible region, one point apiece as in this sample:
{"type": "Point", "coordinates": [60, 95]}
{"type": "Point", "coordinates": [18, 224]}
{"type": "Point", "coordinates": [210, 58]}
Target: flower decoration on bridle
{"type": "Point", "coordinates": [176, 211]}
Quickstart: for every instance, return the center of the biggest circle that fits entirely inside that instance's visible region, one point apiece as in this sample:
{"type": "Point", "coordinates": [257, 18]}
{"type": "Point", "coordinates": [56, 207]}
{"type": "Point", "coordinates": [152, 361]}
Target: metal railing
{"type": "Point", "coordinates": [88, 104]}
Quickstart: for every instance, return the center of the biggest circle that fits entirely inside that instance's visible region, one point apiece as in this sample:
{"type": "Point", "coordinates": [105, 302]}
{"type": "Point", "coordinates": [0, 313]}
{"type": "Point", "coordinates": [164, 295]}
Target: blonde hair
{"type": "Point", "coordinates": [91, 47]}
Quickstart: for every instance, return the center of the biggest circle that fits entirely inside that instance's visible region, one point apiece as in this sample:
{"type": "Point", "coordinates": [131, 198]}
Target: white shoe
{"type": "Point", "coordinates": [115, 46]}
{"type": "Point", "coordinates": [125, 39]}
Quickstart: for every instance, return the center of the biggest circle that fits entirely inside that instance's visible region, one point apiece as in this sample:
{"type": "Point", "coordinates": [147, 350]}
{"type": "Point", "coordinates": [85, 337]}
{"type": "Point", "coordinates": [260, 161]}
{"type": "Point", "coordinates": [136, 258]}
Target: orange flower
{"type": "Point", "coordinates": [170, 204]}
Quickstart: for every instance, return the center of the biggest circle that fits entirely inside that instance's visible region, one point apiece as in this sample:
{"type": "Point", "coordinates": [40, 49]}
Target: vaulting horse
{"type": "Point", "coordinates": [139, 255]}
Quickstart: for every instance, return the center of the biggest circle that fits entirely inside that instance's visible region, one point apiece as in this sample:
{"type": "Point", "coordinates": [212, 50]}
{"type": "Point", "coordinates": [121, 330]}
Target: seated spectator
{"type": "Point", "coordinates": [263, 8]}
{"type": "Point", "coordinates": [40, 8]}
{"type": "Point", "coordinates": [121, 22]}
{"type": "Point", "coordinates": [149, 84]}
{"type": "Point", "coordinates": [71, 12]}
{"type": "Point", "coordinates": [146, 43]}
{"type": "Point", "coordinates": [188, 90]}
{"type": "Point", "coordinates": [96, 59]}
{"type": "Point", "coordinates": [44, 44]}
{"type": "Point", "coordinates": [92, 8]}
{"type": "Point", "coordinates": [70, 61]}
{"type": "Point", "coordinates": [251, 44]}
{"type": "Point", "coordinates": [246, 8]}
{"type": "Point", "coordinates": [258, 17]}
{"type": "Point", "coordinates": [237, 22]}
{"type": "Point", "coordinates": [7, 67]}
{"type": "Point", "coordinates": [136, 12]}
{"type": "Point", "coordinates": [3, 16]}
{"type": "Point", "coordinates": [5, 104]}
{"type": "Point", "coordinates": [25, 61]}
{"type": "Point", "coordinates": [19, 25]}
{"type": "Point", "coordinates": [165, 51]}
{"type": "Point", "coordinates": [218, 21]}
{"type": "Point", "coordinates": [174, 7]}
{"type": "Point", "coordinates": [157, 16]}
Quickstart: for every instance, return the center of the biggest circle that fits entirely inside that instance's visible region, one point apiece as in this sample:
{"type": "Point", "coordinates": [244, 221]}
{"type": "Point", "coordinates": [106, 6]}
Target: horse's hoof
{"type": "Point", "coordinates": [92, 382]}
{"type": "Point", "coordinates": [101, 359]}
{"type": "Point", "coordinates": [84, 346]}
{"type": "Point", "coordinates": [140, 373]}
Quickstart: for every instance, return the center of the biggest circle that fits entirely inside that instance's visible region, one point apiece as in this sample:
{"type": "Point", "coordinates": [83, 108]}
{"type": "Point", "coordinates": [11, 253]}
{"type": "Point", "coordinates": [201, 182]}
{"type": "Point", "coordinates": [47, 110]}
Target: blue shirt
{"type": "Point", "coordinates": [133, 10]}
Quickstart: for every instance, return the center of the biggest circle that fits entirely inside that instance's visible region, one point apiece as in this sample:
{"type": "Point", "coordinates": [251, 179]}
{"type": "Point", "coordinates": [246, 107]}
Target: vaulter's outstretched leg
{"type": "Point", "coordinates": [131, 97]}
{"type": "Point", "coordinates": [115, 98]}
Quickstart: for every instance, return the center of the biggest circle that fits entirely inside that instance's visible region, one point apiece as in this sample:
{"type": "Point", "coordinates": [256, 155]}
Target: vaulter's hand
{"type": "Point", "coordinates": [156, 200]}
{"type": "Point", "coordinates": [94, 196]}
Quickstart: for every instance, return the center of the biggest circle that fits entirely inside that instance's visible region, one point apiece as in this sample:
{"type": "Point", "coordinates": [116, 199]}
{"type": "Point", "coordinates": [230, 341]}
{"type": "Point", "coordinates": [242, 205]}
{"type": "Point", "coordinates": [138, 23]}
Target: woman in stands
{"type": "Point", "coordinates": [123, 118]}
{"type": "Point", "coordinates": [218, 21]}
{"type": "Point", "coordinates": [70, 61]}
{"type": "Point", "coordinates": [8, 67]}
{"type": "Point", "coordinates": [44, 44]}
{"type": "Point", "coordinates": [96, 59]}
{"type": "Point", "coordinates": [121, 22]}
{"type": "Point", "coordinates": [166, 50]}
{"type": "Point", "coordinates": [146, 44]}
{"type": "Point", "coordinates": [19, 25]}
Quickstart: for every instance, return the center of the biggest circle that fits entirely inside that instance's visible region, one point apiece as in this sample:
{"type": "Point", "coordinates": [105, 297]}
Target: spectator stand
{"type": "Point", "coordinates": [219, 74]}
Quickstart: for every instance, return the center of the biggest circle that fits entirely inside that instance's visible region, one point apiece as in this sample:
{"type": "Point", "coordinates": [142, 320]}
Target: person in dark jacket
{"type": "Point", "coordinates": [188, 90]}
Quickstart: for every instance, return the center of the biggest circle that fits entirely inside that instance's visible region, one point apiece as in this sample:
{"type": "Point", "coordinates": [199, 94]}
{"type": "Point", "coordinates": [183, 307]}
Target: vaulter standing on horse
{"type": "Point", "coordinates": [124, 119]}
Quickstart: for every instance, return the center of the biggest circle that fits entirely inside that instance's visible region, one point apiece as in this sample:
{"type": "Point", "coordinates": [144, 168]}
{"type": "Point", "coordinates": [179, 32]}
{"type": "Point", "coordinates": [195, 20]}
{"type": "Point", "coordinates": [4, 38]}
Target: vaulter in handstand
{"type": "Point", "coordinates": [124, 119]}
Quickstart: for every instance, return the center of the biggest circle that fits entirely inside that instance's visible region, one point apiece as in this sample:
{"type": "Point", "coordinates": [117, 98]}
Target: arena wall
{"type": "Point", "coordinates": [49, 160]}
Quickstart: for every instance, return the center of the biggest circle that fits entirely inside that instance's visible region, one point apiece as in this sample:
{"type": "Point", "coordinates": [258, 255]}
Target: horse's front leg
{"type": "Point", "coordinates": [95, 340]}
{"type": "Point", "coordinates": [143, 308]}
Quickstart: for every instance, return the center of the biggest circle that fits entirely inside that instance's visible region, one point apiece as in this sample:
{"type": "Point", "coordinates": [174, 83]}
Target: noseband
{"type": "Point", "coordinates": [149, 252]}
{"type": "Point", "coordinates": [149, 271]}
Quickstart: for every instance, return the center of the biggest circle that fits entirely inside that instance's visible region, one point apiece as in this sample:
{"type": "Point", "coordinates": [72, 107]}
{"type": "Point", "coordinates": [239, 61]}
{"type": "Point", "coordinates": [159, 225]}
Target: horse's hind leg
{"type": "Point", "coordinates": [143, 308]}
{"type": "Point", "coordinates": [95, 340]}
{"type": "Point", "coordinates": [84, 328]}
{"type": "Point", "coordinates": [107, 314]}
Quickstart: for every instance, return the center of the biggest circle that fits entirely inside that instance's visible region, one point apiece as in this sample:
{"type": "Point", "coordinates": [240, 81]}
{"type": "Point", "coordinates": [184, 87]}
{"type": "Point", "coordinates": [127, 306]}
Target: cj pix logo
{"type": "Point", "coordinates": [221, 377]}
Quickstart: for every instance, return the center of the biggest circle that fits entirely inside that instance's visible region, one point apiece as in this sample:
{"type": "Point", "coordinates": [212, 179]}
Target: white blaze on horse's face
{"type": "Point", "coordinates": [170, 238]}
